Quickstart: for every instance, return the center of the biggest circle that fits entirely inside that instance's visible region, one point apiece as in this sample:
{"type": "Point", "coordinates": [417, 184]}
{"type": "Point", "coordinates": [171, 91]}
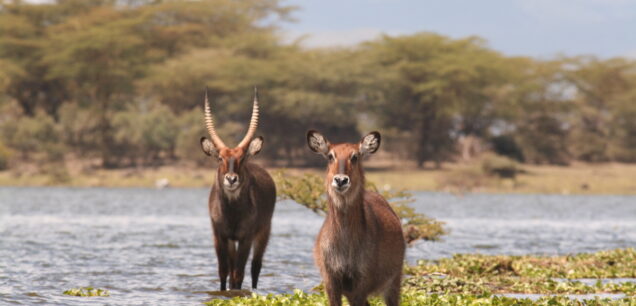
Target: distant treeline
{"type": "Point", "coordinates": [122, 82]}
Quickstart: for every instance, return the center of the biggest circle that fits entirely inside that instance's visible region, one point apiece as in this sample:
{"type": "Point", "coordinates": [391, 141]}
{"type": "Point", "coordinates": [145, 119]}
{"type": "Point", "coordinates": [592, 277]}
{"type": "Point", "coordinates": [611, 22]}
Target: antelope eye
{"type": "Point", "coordinates": [354, 158]}
{"type": "Point", "coordinates": [330, 157]}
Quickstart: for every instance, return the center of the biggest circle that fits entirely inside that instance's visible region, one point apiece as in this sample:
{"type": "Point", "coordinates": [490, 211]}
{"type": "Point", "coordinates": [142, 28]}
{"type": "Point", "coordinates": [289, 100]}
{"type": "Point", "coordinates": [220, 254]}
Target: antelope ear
{"type": "Point", "coordinates": [317, 143]}
{"type": "Point", "coordinates": [370, 143]}
{"type": "Point", "coordinates": [208, 148]}
{"type": "Point", "coordinates": [255, 146]}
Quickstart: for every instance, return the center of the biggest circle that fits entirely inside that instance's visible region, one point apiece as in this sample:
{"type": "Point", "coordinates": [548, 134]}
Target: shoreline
{"type": "Point", "coordinates": [577, 179]}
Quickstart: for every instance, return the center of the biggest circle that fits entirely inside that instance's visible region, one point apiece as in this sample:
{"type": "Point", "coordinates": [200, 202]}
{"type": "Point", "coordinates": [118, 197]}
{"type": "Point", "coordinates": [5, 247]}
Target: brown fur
{"type": "Point", "coordinates": [242, 219]}
{"type": "Point", "coordinates": [360, 248]}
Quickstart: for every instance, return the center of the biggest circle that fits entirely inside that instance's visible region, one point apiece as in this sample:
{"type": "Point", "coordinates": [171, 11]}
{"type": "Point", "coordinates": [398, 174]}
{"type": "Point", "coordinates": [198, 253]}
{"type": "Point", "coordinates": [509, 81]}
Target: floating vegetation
{"type": "Point", "coordinates": [486, 280]}
{"type": "Point", "coordinates": [508, 284]}
{"type": "Point", "coordinates": [86, 291]}
{"type": "Point", "coordinates": [297, 298]}
{"type": "Point", "coordinates": [308, 190]}
{"type": "Point", "coordinates": [415, 297]}
{"type": "Point", "coordinates": [482, 274]}
{"type": "Point", "coordinates": [618, 263]}
{"type": "Point", "coordinates": [228, 293]}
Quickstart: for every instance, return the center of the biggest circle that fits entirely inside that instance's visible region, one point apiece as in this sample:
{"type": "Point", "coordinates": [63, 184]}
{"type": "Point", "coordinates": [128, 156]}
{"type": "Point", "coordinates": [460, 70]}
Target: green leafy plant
{"type": "Point", "coordinates": [481, 274]}
{"type": "Point", "coordinates": [308, 190]}
{"type": "Point", "coordinates": [417, 297]}
{"type": "Point", "coordinates": [603, 264]}
{"type": "Point", "coordinates": [482, 280]}
{"type": "Point", "coordinates": [86, 292]}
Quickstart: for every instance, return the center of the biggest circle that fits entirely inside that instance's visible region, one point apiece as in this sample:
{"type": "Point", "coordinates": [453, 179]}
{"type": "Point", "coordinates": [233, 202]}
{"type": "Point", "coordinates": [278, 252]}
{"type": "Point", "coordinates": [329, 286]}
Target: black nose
{"type": "Point", "coordinates": [341, 181]}
{"type": "Point", "coordinates": [232, 179]}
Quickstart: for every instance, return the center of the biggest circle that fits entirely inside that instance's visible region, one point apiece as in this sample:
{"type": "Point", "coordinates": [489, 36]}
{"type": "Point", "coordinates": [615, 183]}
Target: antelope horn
{"type": "Point", "coordinates": [253, 123]}
{"type": "Point", "coordinates": [209, 123]}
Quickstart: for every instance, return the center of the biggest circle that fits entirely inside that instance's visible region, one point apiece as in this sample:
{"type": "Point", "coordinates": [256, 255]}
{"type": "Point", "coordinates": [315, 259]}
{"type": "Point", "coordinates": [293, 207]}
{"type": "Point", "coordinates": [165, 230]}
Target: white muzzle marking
{"type": "Point", "coordinates": [340, 183]}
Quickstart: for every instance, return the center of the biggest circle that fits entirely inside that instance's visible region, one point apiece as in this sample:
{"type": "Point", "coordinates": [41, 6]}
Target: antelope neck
{"type": "Point", "coordinates": [346, 202]}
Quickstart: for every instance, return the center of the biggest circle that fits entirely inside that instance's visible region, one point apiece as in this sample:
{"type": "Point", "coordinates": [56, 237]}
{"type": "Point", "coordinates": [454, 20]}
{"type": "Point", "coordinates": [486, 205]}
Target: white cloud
{"type": "Point", "coordinates": [339, 38]}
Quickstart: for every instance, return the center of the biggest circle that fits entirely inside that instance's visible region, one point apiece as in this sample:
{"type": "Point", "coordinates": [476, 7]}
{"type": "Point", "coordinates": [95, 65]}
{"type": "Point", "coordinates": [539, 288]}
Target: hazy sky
{"type": "Point", "coordinates": [541, 28]}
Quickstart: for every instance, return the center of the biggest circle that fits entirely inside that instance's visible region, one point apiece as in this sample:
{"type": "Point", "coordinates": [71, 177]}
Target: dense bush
{"type": "Point", "coordinates": [506, 145]}
{"type": "Point", "coordinates": [5, 156]}
{"type": "Point", "coordinates": [500, 166]}
{"type": "Point", "coordinates": [191, 129]}
{"type": "Point", "coordinates": [32, 135]}
{"type": "Point", "coordinates": [145, 133]}
{"type": "Point", "coordinates": [79, 127]}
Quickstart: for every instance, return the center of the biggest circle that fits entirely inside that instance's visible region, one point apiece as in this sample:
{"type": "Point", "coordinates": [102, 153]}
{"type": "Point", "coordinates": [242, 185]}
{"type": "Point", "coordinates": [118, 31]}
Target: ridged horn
{"type": "Point", "coordinates": [253, 123]}
{"type": "Point", "coordinates": [209, 123]}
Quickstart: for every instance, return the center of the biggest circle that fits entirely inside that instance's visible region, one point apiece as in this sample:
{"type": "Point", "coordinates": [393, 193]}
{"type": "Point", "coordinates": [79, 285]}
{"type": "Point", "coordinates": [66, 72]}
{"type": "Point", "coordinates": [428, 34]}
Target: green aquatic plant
{"type": "Point", "coordinates": [87, 291]}
{"type": "Point", "coordinates": [483, 280]}
{"type": "Point", "coordinates": [602, 264]}
{"type": "Point", "coordinates": [415, 297]}
{"type": "Point", "coordinates": [483, 274]}
{"type": "Point", "coordinates": [308, 190]}
{"type": "Point", "coordinates": [441, 284]}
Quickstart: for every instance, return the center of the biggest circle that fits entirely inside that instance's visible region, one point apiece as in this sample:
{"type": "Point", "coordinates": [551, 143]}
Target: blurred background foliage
{"type": "Point", "coordinates": [120, 83]}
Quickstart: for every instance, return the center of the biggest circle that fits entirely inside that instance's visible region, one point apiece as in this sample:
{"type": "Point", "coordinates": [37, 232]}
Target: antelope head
{"type": "Point", "coordinates": [344, 172]}
{"type": "Point", "coordinates": [231, 160]}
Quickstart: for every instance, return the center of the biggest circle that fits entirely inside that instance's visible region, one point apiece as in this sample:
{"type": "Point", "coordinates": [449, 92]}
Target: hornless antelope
{"type": "Point", "coordinates": [360, 247]}
{"type": "Point", "coordinates": [241, 202]}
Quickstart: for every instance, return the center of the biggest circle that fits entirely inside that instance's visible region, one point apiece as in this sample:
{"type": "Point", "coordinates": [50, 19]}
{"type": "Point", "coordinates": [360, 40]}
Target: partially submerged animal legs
{"type": "Point", "coordinates": [223, 259]}
{"type": "Point", "coordinates": [260, 244]}
{"type": "Point", "coordinates": [238, 270]}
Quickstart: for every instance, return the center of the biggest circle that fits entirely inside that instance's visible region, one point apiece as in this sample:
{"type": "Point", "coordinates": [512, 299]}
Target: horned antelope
{"type": "Point", "coordinates": [360, 247]}
{"type": "Point", "coordinates": [241, 202]}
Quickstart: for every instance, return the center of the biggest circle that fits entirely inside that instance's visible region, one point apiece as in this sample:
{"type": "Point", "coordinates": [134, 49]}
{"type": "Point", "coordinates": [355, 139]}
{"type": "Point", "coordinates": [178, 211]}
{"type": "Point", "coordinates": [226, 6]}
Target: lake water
{"type": "Point", "coordinates": [154, 247]}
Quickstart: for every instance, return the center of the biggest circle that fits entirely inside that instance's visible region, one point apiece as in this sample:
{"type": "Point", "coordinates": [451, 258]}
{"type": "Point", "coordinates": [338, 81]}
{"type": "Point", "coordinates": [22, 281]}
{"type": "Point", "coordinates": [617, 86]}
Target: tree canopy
{"type": "Point", "coordinates": [123, 82]}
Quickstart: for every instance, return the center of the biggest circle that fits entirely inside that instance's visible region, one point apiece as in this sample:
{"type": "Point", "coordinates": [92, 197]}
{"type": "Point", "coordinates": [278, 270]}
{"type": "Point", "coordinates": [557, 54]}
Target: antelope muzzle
{"type": "Point", "coordinates": [231, 181]}
{"type": "Point", "coordinates": [341, 183]}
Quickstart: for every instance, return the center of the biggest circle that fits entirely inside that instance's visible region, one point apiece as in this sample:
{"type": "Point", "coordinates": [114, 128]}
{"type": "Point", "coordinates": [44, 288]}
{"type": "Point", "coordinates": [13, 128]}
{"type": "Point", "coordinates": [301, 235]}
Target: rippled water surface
{"type": "Point", "coordinates": [154, 246]}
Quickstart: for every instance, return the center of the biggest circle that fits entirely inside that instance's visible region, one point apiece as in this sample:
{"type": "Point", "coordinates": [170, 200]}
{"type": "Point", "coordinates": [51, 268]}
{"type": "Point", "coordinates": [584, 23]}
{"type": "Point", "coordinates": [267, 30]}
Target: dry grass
{"type": "Point", "coordinates": [579, 178]}
{"type": "Point", "coordinates": [610, 178]}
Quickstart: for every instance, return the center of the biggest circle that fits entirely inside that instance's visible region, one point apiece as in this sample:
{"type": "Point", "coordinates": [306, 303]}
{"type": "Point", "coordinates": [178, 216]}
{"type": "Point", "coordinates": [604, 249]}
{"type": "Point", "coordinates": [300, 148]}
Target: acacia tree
{"type": "Point", "coordinates": [434, 89]}
{"type": "Point", "coordinates": [299, 89]}
{"type": "Point", "coordinates": [100, 54]}
{"type": "Point", "coordinates": [23, 37]}
{"type": "Point", "coordinates": [532, 110]}
{"type": "Point", "coordinates": [604, 101]}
